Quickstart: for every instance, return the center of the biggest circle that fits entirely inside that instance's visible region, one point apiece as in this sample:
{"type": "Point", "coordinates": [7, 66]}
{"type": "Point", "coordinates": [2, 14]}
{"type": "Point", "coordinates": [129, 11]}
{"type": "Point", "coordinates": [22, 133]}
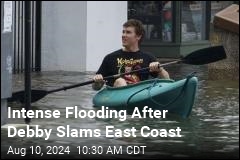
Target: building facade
{"type": "Point", "coordinates": [75, 36]}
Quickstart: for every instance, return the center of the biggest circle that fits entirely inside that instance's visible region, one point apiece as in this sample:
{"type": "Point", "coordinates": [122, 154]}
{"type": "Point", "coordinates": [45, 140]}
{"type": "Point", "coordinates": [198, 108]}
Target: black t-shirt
{"type": "Point", "coordinates": [121, 62]}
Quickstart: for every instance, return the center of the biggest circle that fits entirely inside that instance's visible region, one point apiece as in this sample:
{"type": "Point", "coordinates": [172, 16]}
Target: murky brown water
{"type": "Point", "coordinates": [211, 131]}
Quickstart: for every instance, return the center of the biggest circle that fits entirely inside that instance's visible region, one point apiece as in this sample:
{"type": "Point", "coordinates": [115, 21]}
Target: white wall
{"type": "Point", "coordinates": [104, 30]}
{"type": "Point", "coordinates": [76, 35]}
{"type": "Point", "coordinates": [64, 35]}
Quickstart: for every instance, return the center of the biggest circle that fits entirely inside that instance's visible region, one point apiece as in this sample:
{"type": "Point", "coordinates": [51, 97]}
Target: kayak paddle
{"type": "Point", "coordinates": [198, 57]}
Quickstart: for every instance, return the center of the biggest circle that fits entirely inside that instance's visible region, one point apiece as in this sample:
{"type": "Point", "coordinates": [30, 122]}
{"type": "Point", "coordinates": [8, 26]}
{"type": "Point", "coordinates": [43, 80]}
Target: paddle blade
{"type": "Point", "coordinates": [35, 95]}
{"type": "Point", "coordinates": [205, 56]}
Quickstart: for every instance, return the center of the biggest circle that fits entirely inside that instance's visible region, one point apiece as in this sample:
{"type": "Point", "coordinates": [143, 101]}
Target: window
{"type": "Point", "coordinates": [193, 20]}
{"type": "Point", "coordinates": [156, 17]}
{"type": "Point", "coordinates": [217, 6]}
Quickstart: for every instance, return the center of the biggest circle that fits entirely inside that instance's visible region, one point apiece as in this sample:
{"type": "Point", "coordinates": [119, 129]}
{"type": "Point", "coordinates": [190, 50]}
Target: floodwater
{"type": "Point", "coordinates": [211, 130]}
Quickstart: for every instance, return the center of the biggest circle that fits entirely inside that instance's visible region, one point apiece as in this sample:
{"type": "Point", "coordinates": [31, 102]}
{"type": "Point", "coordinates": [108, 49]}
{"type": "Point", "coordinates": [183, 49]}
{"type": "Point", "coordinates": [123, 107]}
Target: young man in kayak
{"type": "Point", "coordinates": [127, 59]}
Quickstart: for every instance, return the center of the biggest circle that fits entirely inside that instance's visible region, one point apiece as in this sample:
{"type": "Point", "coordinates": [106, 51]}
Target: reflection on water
{"type": "Point", "coordinates": [212, 130]}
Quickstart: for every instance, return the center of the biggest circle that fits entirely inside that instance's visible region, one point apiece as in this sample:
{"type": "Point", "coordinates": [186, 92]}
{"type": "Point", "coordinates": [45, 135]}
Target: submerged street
{"type": "Point", "coordinates": [211, 130]}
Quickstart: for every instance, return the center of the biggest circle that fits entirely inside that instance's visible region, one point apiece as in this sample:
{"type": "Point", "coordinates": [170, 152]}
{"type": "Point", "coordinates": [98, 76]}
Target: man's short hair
{"type": "Point", "coordinates": [139, 29]}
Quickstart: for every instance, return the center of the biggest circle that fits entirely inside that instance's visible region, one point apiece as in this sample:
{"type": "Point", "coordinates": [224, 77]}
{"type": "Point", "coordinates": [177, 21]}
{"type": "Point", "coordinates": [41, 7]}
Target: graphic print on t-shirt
{"type": "Point", "coordinates": [128, 65]}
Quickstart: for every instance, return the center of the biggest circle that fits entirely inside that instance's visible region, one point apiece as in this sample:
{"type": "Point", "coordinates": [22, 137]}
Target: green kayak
{"type": "Point", "coordinates": [159, 94]}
